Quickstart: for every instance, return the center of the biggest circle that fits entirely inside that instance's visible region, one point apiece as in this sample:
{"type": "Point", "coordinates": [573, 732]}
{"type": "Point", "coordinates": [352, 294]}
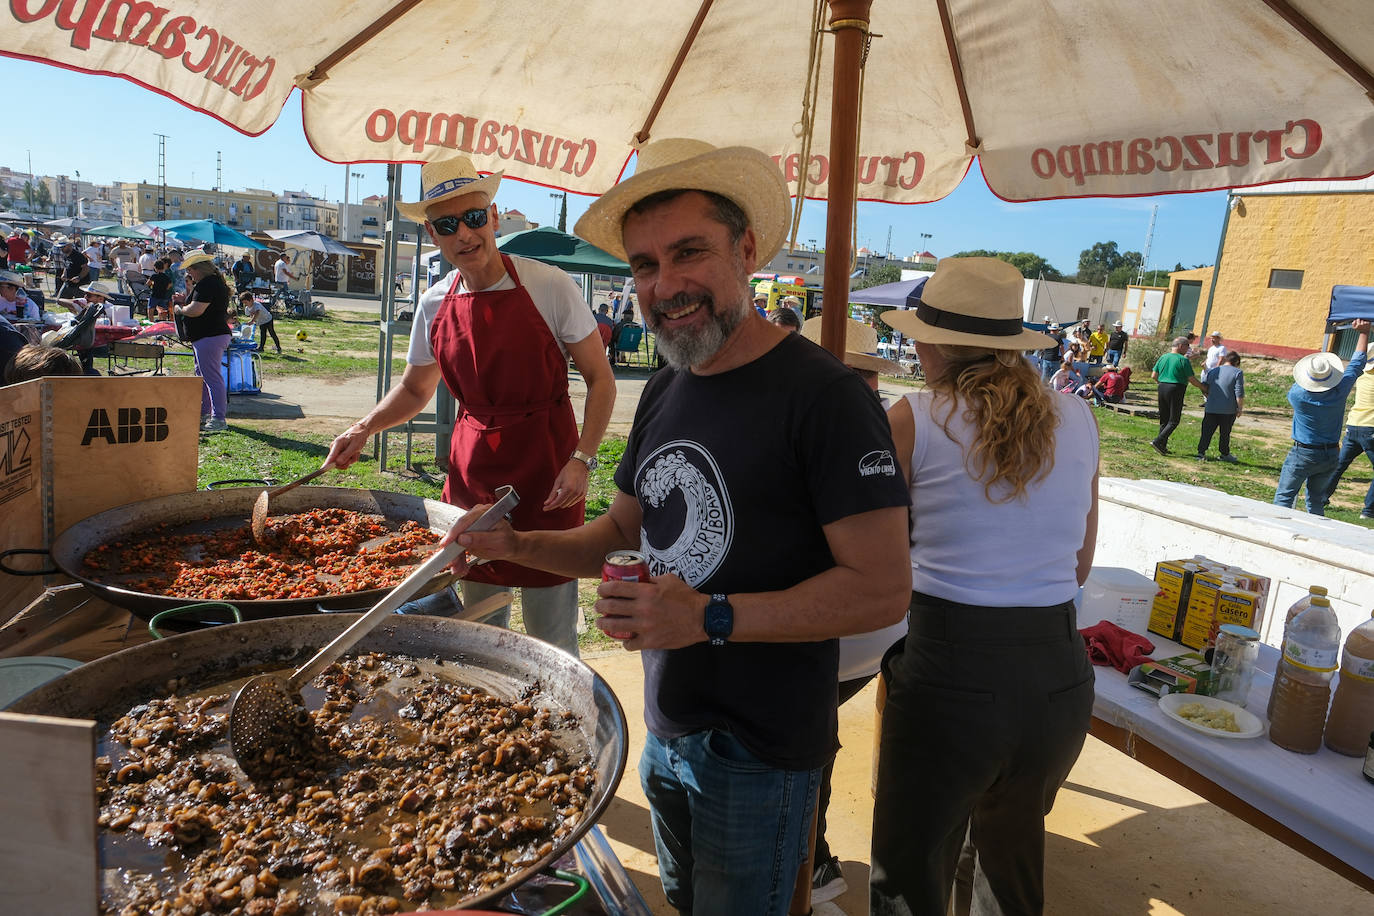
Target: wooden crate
{"type": "Point", "coordinates": [72, 447]}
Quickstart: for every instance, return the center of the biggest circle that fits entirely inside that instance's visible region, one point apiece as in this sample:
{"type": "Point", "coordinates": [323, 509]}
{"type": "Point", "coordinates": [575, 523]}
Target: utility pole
{"type": "Point", "coordinates": [219, 171]}
{"type": "Point", "coordinates": [562, 211]}
{"type": "Point", "coordinates": [889, 243]}
{"type": "Point", "coordinates": [1149, 240]}
{"type": "Point", "coordinates": [161, 175]}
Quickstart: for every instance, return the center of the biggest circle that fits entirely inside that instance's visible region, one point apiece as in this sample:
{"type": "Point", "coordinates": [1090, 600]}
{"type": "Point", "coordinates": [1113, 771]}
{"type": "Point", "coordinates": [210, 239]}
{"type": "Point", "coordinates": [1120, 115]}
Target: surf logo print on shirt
{"type": "Point", "coordinates": [877, 462]}
{"type": "Point", "coordinates": [688, 519]}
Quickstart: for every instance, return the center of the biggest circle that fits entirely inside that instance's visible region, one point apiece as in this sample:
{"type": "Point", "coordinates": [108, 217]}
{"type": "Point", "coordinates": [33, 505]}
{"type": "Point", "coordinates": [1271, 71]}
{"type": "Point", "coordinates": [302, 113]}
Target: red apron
{"type": "Point", "coordinates": [515, 424]}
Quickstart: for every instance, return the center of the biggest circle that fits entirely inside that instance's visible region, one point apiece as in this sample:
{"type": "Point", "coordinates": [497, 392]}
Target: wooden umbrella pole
{"type": "Point", "coordinates": [849, 21]}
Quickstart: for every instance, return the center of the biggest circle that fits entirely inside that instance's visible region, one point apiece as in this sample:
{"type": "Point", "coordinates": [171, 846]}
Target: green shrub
{"type": "Point", "coordinates": [1143, 352]}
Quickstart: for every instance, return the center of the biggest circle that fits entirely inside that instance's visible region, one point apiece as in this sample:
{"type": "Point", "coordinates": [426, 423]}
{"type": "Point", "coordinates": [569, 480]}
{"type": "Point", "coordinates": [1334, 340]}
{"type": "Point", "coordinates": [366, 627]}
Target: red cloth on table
{"type": "Point", "coordinates": [1109, 644]}
{"type": "Point", "coordinates": [107, 333]}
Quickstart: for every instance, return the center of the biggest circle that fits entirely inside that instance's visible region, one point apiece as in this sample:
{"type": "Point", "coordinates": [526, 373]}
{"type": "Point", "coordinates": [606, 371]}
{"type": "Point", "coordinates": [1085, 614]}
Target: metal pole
{"type": "Point", "coordinates": [384, 338]}
{"type": "Point", "coordinates": [849, 19]}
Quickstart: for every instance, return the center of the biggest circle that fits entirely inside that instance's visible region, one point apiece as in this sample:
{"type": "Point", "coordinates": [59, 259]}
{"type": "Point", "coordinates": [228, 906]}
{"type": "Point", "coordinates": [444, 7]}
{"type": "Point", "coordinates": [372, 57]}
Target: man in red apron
{"type": "Point", "coordinates": [499, 330]}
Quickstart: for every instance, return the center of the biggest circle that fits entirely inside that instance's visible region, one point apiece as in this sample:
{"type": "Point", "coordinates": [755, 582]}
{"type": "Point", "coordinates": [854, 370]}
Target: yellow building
{"type": "Point", "coordinates": [1284, 247]}
{"type": "Point", "coordinates": [247, 211]}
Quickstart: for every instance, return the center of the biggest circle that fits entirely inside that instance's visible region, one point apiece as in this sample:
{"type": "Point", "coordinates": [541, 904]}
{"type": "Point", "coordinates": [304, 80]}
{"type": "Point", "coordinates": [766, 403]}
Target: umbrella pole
{"type": "Point", "coordinates": [849, 20]}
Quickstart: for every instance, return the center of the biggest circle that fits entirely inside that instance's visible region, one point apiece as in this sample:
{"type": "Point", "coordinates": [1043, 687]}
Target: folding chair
{"type": "Point", "coordinates": [628, 342]}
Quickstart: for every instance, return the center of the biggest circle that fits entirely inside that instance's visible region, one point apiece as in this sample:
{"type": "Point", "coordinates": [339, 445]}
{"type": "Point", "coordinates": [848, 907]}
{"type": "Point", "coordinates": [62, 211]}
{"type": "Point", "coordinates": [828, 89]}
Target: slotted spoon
{"type": "Point", "coordinates": [268, 720]}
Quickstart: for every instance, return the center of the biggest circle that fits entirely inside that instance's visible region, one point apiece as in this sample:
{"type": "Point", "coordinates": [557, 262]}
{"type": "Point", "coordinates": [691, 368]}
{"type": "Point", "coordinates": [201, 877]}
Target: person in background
{"type": "Point", "coordinates": [1068, 378]}
{"type": "Point", "coordinates": [75, 271]}
{"type": "Point", "coordinates": [1225, 401]}
{"type": "Point", "coordinates": [1359, 438]}
{"type": "Point", "coordinates": [1215, 353]}
{"type": "Point", "coordinates": [1116, 344]}
{"type": "Point", "coordinates": [1111, 386]}
{"type": "Point", "coordinates": [17, 249]}
{"type": "Point", "coordinates": [282, 273]}
{"type": "Point", "coordinates": [146, 260]}
{"type": "Point", "coordinates": [262, 318]}
{"type": "Point", "coordinates": [769, 532]}
{"type": "Point", "coordinates": [1318, 400]}
{"type": "Point", "coordinates": [793, 303]}
{"type": "Point", "coordinates": [11, 342]}
{"type": "Point", "coordinates": [1174, 373]}
{"type": "Point", "coordinates": [95, 258]}
{"type": "Point", "coordinates": [786, 319]}
{"type": "Point", "coordinates": [990, 695]}
{"type": "Point", "coordinates": [1051, 356]}
{"type": "Point", "coordinates": [605, 325]}
{"type": "Point", "coordinates": [761, 303]}
{"type": "Point", "coordinates": [1097, 345]}
{"type": "Point", "coordinates": [176, 269]}
{"type": "Point", "coordinates": [15, 303]}
{"type": "Point", "coordinates": [206, 313]}
{"type": "Point", "coordinates": [627, 319]}
{"type": "Point", "coordinates": [244, 274]}
{"type": "Point", "coordinates": [37, 361]}
{"type": "Point", "coordinates": [159, 291]}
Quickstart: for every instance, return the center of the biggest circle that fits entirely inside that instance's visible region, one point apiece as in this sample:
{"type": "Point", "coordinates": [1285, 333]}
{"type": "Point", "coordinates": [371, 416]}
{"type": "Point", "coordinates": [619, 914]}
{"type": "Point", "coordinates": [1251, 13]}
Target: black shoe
{"type": "Point", "coordinates": [1230, 459]}
{"type": "Point", "coordinates": [1154, 444]}
{"type": "Point", "coordinates": [827, 881]}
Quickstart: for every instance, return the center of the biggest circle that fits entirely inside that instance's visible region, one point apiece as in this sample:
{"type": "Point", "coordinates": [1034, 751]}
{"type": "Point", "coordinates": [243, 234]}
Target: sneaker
{"type": "Point", "coordinates": [827, 881]}
{"type": "Point", "coordinates": [214, 426]}
{"type": "Point", "coordinates": [1367, 516]}
{"type": "Point", "coordinates": [1230, 459]}
{"type": "Point", "coordinates": [1154, 444]}
{"type": "Point", "coordinates": [1200, 457]}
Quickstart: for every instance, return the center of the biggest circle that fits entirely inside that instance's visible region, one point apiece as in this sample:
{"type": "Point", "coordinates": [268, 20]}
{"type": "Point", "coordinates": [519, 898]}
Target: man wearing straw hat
{"type": "Point", "coordinates": [760, 483]}
{"type": "Point", "coordinates": [1318, 400]}
{"type": "Point", "coordinates": [498, 331]}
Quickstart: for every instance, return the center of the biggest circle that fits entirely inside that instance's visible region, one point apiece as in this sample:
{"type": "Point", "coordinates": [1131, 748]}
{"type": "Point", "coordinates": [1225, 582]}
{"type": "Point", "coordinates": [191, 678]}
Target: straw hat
{"type": "Point", "coordinates": [1117, 324]}
{"type": "Point", "coordinates": [196, 257]}
{"type": "Point", "coordinates": [99, 289]}
{"type": "Point", "coordinates": [970, 302]}
{"type": "Point", "coordinates": [448, 178]}
{"type": "Point", "coordinates": [860, 346]}
{"type": "Point", "coordinates": [1319, 371]}
{"type": "Point", "coordinates": [9, 276]}
{"type": "Point", "coordinates": [746, 176]}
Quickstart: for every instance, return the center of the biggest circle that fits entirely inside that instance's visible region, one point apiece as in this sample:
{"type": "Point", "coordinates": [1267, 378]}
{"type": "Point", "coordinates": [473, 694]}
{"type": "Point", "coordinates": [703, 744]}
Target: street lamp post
{"type": "Point", "coordinates": [562, 210]}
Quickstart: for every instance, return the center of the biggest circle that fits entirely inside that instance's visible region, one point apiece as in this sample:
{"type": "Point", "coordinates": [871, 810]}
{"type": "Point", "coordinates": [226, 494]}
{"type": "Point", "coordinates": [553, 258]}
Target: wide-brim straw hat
{"type": "Point", "coordinates": [196, 257]}
{"type": "Point", "coordinates": [970, 302]}
{"type": "Point", "coordinates": [746, 176]}
{"type": "Point", "coordinates": [99, 289]}
{"type": "Point", "coordinates": [1319, 371]}
{"type": "Point", "coordinates": [448, 178]}
{"type": "Point", "coordinates": [860, 346]}
{"type": "Point", "coordinates": [9, 276]}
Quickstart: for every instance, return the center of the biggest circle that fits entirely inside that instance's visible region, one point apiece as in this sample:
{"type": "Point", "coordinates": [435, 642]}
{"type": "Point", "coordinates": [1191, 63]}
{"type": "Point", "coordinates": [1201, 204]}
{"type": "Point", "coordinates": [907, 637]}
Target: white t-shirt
{"type": "Point", "coordinates": [555, 296]}
{"type": "Point", "coordinates": [93, 255]}
{"type": "Point", "coordinates": [22, 308]}
{"type": "Point", "coordinates": [1215, 354]}
{"type": "Point", "coordinates": [146, 262]}
{"type": "Point", "coordinates": [259, 313]}
{"type": "Point", "coordinates": [279, 272]}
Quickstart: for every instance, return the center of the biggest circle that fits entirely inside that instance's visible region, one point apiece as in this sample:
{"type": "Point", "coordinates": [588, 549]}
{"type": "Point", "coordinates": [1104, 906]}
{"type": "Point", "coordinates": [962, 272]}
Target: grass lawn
{"type": "Point", "coordinates": [339, 345]}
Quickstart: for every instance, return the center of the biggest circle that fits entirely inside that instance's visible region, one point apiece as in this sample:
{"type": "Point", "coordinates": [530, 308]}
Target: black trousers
{"type": "Point", "coordinates": [987, 710]}
{"type": "Point", "coordinates": [1212, 422]}
{"type": "Point", "coordinates": [1170, 409]}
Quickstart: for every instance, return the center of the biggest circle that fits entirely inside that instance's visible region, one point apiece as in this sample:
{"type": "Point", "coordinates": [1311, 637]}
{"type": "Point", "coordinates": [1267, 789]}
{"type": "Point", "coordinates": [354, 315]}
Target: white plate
{"type": "Point", "coordinates": [1250, 725]}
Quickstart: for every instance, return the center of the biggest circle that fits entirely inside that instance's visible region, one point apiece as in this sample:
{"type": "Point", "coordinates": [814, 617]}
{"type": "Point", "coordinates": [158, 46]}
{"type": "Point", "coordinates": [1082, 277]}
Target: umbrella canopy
{"type": "Point", "coordinates": [205, 230]}
{"type": "Point", "coordinates": [77, 223]}
{"type": "Point", "coordinates": [10, 214]}
{"type": "Point", "coordinates": [889, 293]}
{"type": "Point", "coordinates": [309, 238]}
{"type": "Point", "coordinates": [565, 251]}
{"type": "Point", "coordinates": [119, 232]}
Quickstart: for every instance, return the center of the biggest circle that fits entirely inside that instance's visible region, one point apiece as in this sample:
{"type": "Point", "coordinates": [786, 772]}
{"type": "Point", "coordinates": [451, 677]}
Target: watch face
{"type": "Point", "coordinates": [720, 621]}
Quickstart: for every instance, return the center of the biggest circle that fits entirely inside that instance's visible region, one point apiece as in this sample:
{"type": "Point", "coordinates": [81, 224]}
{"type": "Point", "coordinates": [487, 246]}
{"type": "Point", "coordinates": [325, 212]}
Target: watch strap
{"type": "Point", "coordinates": [588, 460]}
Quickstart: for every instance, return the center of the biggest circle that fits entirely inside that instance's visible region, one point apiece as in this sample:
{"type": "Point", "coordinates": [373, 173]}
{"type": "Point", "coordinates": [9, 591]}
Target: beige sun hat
{"type": "Point", "coordinates": [970, 302]}
{"type": "Point", "coordinates": [860, 346]}
{"type": "Point", "coordinates": [1319, 371]}
{"type": "Point", "coordinates": [746, 176]}
{"type": "Point", "coordinates": [9, 276]}
{"type": "Point", "coordinates": [99, 289]}
{"type": "Point", "coordinates": [196, 257]}
{"type": "Point", "coordinates": [448, 178]}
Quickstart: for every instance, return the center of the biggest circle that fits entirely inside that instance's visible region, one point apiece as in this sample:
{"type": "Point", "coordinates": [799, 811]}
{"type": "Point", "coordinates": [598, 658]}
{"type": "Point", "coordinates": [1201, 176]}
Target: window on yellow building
{"type": "Point", "coordinates": [1285, 279]}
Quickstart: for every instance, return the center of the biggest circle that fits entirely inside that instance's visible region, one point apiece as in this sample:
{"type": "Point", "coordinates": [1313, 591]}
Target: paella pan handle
{"type": "Point", "coordinates": [197, 610]}
{"type": "Point", "coordinates": [508, 499]}
{"type": "Point", "coordinates": [239, 482]}
{"type": "Point", "coordinates": [48, 570]}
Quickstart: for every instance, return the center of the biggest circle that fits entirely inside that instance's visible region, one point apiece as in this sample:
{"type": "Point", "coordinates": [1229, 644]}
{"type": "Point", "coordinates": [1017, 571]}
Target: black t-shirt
{"type": "Point", "coordinates": [1117, 341]}
{"type": "Point", "coordinates": [76, 265]}
{"type": "Point", "coordinates": [1052, 353]}
{"type": "Point", "coordinates": [160, 286]}
{"type": "Point", "coordinates": [736, 474]}
{"type": "Point", "coordinates": [214, 321]}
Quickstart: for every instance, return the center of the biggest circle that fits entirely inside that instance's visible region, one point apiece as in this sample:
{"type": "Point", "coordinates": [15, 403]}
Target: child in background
{"type": "Point", "coordinates": [160, 291]}
{"type": "Point", "coordinates": [260, 315]}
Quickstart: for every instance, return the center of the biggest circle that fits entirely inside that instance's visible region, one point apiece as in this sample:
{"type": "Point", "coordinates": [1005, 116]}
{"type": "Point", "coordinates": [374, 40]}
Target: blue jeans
{"type": "Point", "coordinates": [1114, 357]}
{"type": "Point", "coordinates": [730, 831]}
{"type": "Point", "coordinates": [1048, 367]}
{"type": "Point", "coordinates": [550, 613]}
{"type": "Point", "coordinates": [1358, 440]}
{"type": "Point", "coordinates": [1314, 466]}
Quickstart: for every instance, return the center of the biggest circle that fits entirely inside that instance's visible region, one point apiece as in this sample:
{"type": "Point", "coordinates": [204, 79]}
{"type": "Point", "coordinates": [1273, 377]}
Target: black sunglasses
{"type": "Point", "coordinates": [475, 218]}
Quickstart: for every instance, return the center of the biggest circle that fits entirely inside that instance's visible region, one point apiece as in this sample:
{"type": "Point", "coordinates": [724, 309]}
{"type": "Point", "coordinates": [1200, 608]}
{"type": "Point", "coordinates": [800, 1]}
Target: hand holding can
{"type": "Point", "coordinates": [624, 566]}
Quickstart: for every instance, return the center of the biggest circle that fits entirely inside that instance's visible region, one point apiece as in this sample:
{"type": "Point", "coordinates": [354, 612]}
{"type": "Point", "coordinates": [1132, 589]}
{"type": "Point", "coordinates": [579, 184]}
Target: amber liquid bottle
{"type": "Point", "coordinates": [1298, 607]}
{"type": "Point", "coordinates": [1352, 708]}
{"type": "Point", "coordinates": [1302, 686]}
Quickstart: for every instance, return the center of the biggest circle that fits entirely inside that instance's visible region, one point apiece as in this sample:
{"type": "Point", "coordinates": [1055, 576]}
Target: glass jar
{"type": "Point", "coordinates": [1233, 661]}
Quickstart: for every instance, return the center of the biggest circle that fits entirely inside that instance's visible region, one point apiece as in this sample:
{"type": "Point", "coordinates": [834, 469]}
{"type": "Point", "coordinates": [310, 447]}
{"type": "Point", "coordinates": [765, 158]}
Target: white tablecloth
{"type": "Point", "coordinates": [1321, 796]}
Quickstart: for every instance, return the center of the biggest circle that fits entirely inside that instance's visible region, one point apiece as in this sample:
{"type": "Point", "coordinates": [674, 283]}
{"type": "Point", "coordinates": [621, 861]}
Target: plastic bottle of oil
{"type": "Point", "coordinates": [1352, 708]}
{"type": "Point", "coordinates": [1298, 607]}
{"type": "Point", "coordinates": [1302, 686]}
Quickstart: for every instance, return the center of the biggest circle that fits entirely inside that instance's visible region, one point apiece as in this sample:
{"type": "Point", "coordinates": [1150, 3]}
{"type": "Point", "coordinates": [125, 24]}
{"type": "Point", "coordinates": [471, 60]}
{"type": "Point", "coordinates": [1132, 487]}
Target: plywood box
{"type": "Point", "coordinates": [72, 447]}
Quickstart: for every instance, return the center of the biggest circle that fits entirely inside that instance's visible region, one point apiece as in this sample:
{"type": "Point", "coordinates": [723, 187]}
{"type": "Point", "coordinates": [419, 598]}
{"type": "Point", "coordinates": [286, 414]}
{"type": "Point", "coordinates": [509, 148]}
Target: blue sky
{"type": "Point", "coordinates": [122, 119]}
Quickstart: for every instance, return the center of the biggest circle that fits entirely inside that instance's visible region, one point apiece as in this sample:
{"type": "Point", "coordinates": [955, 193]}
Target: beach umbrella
{"type": "Point", "coordinates": [310, 239]}
{"type": "Point", "coordinates": [72, 223]}
{"type": "Point", "coordinates": [894, 294]}
{"type": "Point", "coordinates": [880, 100]}
{"type": "Point", "coordinates": [564, 251]}
{"type": "Point", "coordinates": [205, 230]}
{"type": "Point", "coordinates": [118, 231]}
{"type": "Point", "coordinates": [10, 214]}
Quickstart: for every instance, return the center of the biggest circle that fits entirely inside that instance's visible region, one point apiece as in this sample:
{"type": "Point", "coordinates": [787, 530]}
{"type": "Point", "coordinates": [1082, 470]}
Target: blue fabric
{"type": "Point", "coordinates": [1225, 386]}
{"type": "Point", "coordinates": [1349, 302]}
{"type": "Point", "coordinates": [1114, 357]}
{"type": "Point", "coordinates": [1314, 467]}
{"type": "Point", "coordinates": [730, 831]}
{"type": "Point", "coordinates": [1358, 440]}
{"type": "Point", "coordinates": [1317, 415]}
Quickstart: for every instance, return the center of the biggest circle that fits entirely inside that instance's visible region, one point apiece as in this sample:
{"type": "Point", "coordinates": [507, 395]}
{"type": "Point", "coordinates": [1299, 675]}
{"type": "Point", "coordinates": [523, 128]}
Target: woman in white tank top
{"type": "Point", "coordinates": [990, 697]}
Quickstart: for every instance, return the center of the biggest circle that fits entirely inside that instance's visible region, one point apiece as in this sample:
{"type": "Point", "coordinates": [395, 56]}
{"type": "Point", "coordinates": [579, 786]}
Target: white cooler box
{"type": "Point", "coordinates": [1122, 596]}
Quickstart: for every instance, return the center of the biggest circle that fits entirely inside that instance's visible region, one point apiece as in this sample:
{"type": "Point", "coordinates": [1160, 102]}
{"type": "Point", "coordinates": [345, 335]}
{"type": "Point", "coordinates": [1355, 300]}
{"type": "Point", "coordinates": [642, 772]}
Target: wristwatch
{"type": "Point", "coordinates": [589, 460]}
{"type": "Point", "coordinates": [720, 620]}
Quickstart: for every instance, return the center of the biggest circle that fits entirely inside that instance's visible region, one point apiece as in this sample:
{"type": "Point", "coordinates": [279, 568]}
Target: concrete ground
{"type": "Point", "coordinates": [1122, 839]}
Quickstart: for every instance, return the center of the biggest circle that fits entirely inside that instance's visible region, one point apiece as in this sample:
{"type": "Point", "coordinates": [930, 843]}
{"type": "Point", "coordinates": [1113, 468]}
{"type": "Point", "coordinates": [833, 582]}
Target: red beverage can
{"type": "Point", "coordinates": [625, 565]}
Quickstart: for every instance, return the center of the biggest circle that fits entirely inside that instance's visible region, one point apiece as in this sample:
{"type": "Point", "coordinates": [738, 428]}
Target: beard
{"type": "Point", "coordinates": [687, 348]}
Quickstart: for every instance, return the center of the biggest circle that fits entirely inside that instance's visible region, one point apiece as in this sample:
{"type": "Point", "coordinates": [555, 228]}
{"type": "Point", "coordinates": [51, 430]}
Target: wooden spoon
{"type": "Point", "coordinates": [260, 505]}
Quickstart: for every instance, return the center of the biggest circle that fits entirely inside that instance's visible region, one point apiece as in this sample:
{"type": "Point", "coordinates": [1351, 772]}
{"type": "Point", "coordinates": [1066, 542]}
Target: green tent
{"type": "Point", "coordinates": [562, 250]}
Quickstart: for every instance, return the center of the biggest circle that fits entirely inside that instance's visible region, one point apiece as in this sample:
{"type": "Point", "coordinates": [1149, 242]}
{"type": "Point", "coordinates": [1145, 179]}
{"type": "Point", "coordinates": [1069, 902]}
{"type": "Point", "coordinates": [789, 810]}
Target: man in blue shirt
{"type": "Point", "coordinates": [1318, 398]}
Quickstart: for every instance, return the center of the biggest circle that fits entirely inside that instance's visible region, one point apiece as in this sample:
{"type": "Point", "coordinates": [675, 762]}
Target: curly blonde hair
{"type": "Point", "coordinates": [1009, 408]}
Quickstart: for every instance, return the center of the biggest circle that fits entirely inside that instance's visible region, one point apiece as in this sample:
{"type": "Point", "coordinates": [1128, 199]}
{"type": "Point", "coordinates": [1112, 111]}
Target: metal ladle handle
{"type": "Point", "coordinates": [507, 499]}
